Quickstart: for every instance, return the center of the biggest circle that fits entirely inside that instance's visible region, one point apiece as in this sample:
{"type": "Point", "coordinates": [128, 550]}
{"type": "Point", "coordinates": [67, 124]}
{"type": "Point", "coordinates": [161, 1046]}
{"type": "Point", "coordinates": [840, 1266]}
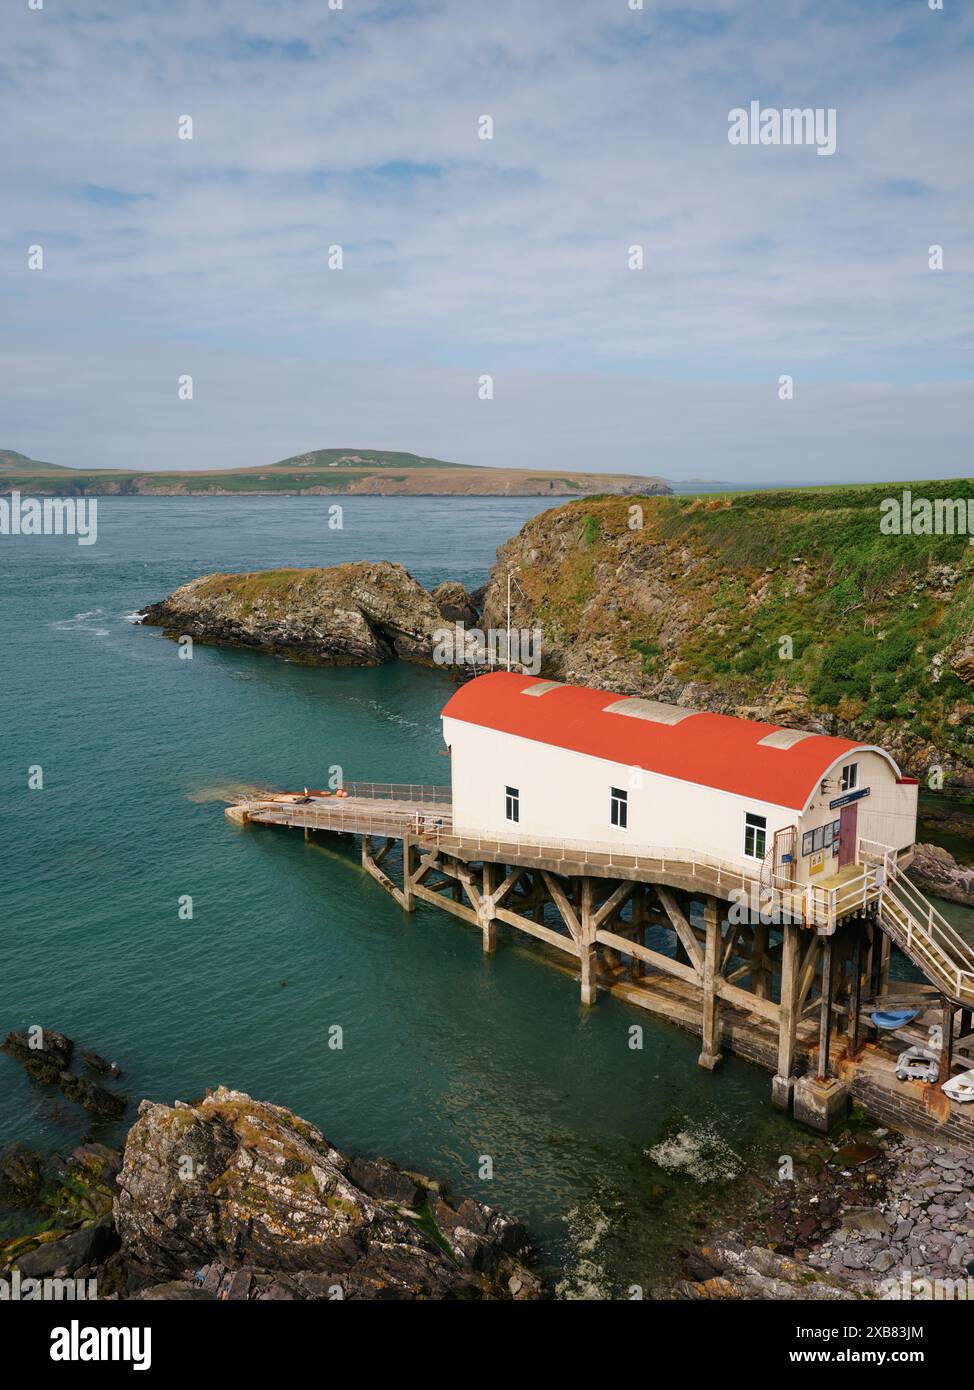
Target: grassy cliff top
{"type": "Point", "coordinates": [807, 593]}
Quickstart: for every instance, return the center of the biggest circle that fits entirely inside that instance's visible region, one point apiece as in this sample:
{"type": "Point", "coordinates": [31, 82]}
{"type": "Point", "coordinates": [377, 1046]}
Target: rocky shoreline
{"type": "Point", "coordinates": [227, 1197]}
{"type": "Point", "coordinates": [872, 1216]}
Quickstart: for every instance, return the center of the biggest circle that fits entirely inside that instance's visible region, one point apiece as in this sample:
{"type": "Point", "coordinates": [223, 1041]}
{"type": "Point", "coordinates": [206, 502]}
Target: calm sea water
{"type": "Point", "coordinates": [607, 1153]}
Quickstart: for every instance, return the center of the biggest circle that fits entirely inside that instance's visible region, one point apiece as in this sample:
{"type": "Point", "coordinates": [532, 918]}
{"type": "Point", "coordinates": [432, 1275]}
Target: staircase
{"type": "Point", "coordinates": [920, 931]}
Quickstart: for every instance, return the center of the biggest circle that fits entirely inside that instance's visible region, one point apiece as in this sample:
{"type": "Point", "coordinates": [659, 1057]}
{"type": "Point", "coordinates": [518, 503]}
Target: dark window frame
{"type": "Point", "coordinates": [755, 832]}
{"type": "Point", "coordinates": [619, 808]}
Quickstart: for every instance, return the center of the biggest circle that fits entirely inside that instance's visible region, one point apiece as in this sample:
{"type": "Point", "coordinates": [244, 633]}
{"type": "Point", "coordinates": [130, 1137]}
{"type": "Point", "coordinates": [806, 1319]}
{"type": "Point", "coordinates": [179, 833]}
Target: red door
{"type": "Point", "coordinates": [848, 824]}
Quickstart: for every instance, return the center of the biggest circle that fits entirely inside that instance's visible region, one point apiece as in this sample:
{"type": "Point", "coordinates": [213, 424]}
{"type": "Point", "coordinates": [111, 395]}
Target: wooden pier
{"type": "Point", "coordinates": [783, 976]}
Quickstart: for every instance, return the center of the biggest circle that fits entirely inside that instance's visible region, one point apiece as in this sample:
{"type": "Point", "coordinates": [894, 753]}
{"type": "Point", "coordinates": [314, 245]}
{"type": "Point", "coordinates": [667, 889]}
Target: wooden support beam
{"type": "Point", "coordinates": [744, 999]}
{"type": "Point", "coordinates": [552, 938]}
{"type": "Point", "coordinates": [710, 1052]}
{"type": "Point", "coordinates": [560, 899]}
{"type": "Point", "coordinates": [639, 930]}
{"type": "Point", "coordinates": [588, 950]}
{"type": "Point", "coordinates": [788, 1006]}
{"type": "Point", "coordinates": [647, 956]}
{"type": "Point", "coordinates": [426, 895]}
{"type": "Point", "coordinates": [855, 999]}
{"type": "Point", "coordinates": [806, 976]}
{"type": "Point", "coordinates": [488, 902]}
{"type": "Point", "coordinates": [371, 867]}
{"type": "Point", "coordinates": [513, 878]}
{"type": "Point", "coordinates": [408, 871]}
{"type": "Point", "coordinates": [825, 1010]}
{"type": "Point", "coordinates": [681, 925]}
{"type": "Point", "coordinates": [761, 971]}
{"type": "Point", "coordinates": [613, 902]}
{"type": "Point", "coordinates": [947, 1048]}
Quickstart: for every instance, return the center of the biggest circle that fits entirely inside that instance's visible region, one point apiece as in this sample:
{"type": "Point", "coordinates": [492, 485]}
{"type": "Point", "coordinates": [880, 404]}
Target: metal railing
{"type": "Point", "coordinates": [401, 791]}
{"type": "Point", "coordinates": [342, 816]}
{"type": "Point", "coordinates": [605, 853]}
{"type": "Point", "coordinates": [920, 930]}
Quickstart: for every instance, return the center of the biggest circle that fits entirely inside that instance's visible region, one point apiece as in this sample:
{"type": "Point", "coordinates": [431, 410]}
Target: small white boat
{"type": "Point", "coordinates": [917, 1064]}
{"type": "Point", "coordinates": [960, 1087]}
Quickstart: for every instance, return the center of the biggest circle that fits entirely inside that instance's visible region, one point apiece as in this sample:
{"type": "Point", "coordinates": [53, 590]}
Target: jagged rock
{"type": "Point", "coordinates": [233, 1183]}
{"type": "Point", "coordinates": [43, 1052]}
{"type": "Point", "coordinates": [92, 1096]}
{"type": "Point", "coordinates": [454, 603]}
{"type": "Point", "coordinates": [85, 1246]}
{"type": "Point", "coordinates": [754, 1272]}
{"type": "Point", "coordinates": [92, 1059]}
{"type": "Point", "coordinates": [359, 614]}
{"type": "Point", "coordinates": [936, 871]}
{"type": "Point", "coordinates": [380, 1178]}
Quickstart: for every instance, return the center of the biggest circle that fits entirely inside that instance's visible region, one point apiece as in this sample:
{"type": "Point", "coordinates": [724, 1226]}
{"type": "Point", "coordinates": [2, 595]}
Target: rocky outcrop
{"type": "Point", "coordinates": [454, 603]}
{"type": "Point", "coordinates": [268, 1208]}
{"type": "Point", "coordinates": [937, 872]}
{"type": "Point", "coordinates": [727, 1270]}
{"type": "Point", "coordinates": [359, 614]}
{"type": "Point", "coordinates": [230, 1197]}
{"type": "Point", "coordinates": [709, 602]}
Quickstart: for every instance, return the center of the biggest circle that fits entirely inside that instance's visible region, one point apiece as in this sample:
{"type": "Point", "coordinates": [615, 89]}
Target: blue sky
{"type": "Point", "coordinates": [359, 127]}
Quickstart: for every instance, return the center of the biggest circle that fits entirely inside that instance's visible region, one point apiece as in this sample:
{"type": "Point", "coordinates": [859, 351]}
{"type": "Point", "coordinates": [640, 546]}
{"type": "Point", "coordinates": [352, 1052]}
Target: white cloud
{"type": "Point", "coordinates": [465, 256]}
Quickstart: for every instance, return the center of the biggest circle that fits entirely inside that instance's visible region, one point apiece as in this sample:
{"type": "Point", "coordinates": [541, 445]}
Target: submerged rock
{"type": "Point", "coordinates": [43, 1052]}
{"type": "Point", "coordinates": [253, 1202]}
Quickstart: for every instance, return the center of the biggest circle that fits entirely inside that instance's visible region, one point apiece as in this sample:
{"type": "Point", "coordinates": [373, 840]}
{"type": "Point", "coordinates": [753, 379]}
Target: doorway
{"type": "Point", "coordinates": [848, 831]}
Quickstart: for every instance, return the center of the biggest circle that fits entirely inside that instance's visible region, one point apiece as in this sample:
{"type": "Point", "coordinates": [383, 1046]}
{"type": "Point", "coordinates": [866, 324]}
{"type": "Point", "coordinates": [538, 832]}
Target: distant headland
{"type": "Point", "coordinates": [321, 472]}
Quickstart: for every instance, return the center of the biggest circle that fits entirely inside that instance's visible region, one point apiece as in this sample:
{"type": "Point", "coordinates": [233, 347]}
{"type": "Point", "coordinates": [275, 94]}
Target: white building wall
{"type": "Point", "coordinates": [887, 815]}
{"type": "Point", "coordinates": [566, 796]}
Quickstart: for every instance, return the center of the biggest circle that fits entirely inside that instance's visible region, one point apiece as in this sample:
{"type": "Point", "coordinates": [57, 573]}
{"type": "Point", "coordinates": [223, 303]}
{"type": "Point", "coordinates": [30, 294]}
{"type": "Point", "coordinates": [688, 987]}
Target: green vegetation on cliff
{"type": "Point", "coordinates": [792, 603]}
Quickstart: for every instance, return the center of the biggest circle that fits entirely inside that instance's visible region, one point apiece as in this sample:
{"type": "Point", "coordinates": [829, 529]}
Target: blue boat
{"type": "Point", "coordinates": [894, 1018]}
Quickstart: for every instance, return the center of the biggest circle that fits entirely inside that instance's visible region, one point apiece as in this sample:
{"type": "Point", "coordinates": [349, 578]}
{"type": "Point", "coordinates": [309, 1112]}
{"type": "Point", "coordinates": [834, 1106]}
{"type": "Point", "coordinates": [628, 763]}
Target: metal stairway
{"type": "Point", "coordinates": [912, 922]}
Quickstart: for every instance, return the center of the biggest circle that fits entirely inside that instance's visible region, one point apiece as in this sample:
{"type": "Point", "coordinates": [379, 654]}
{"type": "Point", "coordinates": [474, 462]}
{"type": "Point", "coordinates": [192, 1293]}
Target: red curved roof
{"type": "Point", "coordinates": [714, 750]}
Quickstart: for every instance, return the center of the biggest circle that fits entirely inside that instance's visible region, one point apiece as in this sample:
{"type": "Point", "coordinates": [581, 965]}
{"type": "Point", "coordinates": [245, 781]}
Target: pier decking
{"type": "Point", "coordinates": [784, 976]}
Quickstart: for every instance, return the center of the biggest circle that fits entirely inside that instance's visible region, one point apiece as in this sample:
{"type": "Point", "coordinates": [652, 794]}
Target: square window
{"type": "Point", "coordinates": [619, 807]}
{"type": "Point", "coordinates": [850, 777]}
{"type": "Point", "coordinates": [755, 835]}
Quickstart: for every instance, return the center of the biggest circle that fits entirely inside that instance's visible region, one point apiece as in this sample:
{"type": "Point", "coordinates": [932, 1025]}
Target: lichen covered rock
{"type": "Point", "coordinates": [260, 1201]}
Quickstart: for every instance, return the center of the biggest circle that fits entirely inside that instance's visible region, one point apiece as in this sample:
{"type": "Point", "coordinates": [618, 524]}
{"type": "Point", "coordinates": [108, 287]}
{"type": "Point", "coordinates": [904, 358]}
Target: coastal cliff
{"type": "Point", "coordinates": [790, 607]}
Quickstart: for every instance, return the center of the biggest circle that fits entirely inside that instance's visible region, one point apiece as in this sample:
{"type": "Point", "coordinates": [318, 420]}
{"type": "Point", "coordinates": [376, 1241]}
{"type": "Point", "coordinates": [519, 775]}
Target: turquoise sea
{"type": "Point", "coordinates": [609, 1154]}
